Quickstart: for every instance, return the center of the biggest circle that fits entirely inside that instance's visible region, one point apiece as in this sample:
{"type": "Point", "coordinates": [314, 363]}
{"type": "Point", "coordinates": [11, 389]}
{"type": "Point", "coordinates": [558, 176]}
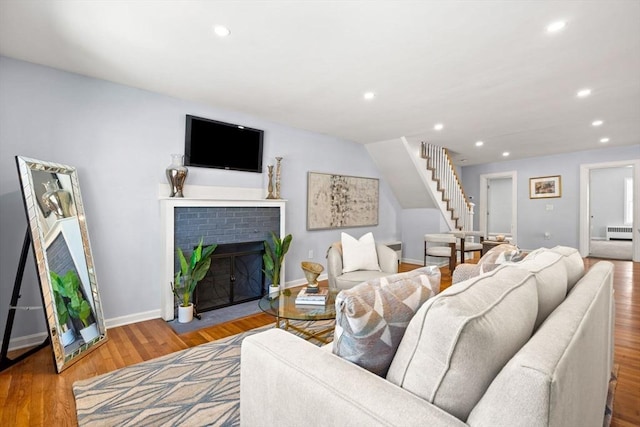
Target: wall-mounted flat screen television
{"type": "Point", "coordinates": [213, 144]}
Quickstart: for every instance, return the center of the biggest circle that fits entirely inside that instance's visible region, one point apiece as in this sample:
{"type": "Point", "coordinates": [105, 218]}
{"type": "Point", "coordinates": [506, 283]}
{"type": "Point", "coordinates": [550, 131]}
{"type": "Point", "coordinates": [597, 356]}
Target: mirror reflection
{"type": "Point", "coordinates": [63, 258]}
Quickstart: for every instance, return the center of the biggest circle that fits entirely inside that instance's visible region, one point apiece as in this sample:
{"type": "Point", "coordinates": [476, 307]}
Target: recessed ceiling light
{"type": "Point", "coordinates": [604, 140]}
{"type": "Point", "coordinates": [505, 154]}
{"type": "Point", "coordinates": [556, 26]}
{"type": "Point", "coordinates": [597, 123]}
{"type": "Point", "coordinates": [479, 143]}
{"type": "Point", "coordinates": [438, 126]}
{"type": "Point", "coordinates": [583, 93]}
{"type": "Point", "coordinates": [221, 30]}
{"type": "Point", "coordinates": [369, 95]}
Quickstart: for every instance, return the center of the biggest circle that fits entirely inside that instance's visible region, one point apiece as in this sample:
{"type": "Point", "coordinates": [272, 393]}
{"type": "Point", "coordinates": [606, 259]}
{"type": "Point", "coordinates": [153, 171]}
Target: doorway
{"type": "Point", "coordinates": [609, 202]}
{"type": "Point", "coordinates": [498, 205]}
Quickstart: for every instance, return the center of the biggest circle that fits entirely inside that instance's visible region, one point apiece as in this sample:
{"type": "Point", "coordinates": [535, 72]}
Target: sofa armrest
{"type": "Point", "coordinates": [287, 381]}
{"type": "Point", "coordinates": [387, 258]}
{"type": "Point", "coordinates": [334, 266]}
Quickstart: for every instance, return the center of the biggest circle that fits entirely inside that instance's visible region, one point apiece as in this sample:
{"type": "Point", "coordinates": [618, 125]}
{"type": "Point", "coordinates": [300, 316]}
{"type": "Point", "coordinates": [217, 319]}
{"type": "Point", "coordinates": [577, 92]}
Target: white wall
{"type": "Point", "coordinates": [120, 140]}
{"type": "Point", "coordinates": [415, 224]}
{"type": "Point", "coordinates": [533, 217]}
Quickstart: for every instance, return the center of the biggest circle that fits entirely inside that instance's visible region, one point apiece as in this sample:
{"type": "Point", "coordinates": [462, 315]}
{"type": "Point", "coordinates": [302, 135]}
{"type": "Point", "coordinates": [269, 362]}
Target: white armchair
{"type": "Point", "coordinates": [387, 259]}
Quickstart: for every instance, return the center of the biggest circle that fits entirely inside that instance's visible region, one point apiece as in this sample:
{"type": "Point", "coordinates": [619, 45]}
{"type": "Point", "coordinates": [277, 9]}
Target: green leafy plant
{"type": "Point", "coordinates": [68, 286]}
{"type": "Point", "coordinates": [58, 294]}
{"type": "Point", "coordinates": [191, 272]}
{"type": "Point", "coordinates": [274, 253]}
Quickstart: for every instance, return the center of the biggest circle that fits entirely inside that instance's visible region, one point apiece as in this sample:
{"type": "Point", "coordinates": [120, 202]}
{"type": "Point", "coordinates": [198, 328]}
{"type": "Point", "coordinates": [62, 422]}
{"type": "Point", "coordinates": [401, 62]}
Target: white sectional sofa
{"type": "Point", "coordinates": [527, 344]}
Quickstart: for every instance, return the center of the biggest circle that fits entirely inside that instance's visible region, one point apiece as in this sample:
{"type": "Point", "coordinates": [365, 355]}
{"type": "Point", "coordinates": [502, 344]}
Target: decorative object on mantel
{"type": "Point", "coordinates": [273, 257]}
{"type": "Point", "coordinates": [177, 174]}
{"type": "Point", "coordinates": [311, 272]}
{"type": "Point", "coordinates": [57, 199]}
{"type": "Point", "coordinates": [270, 184]}
{"type": "Point", "coordinates": [278, 174]}
{"type": "Point", "coordinates": [188, 277]}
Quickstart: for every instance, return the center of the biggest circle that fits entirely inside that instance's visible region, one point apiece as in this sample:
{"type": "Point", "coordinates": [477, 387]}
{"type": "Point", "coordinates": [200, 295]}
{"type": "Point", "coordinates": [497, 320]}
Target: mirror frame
{"type": "Point", "coordinates": [63, 358]}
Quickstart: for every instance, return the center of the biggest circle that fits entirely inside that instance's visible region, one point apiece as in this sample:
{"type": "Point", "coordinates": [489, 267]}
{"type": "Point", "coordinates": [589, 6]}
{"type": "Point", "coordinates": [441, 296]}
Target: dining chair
{"type": "Point", "coordinates": [441, 245]}
{"type": "Point", "coordinates": [467, 242]}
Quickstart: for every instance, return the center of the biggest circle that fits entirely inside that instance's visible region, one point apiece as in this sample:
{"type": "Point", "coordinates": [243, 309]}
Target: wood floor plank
{"type": "Point", "coordinates": [31, 393]}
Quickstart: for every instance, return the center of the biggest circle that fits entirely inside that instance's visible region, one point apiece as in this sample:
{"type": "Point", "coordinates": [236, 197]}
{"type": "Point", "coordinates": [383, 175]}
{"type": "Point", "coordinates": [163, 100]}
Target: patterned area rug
{"type": "Point", "coordinates": [193, 387]}
{"type": "Point", "coordinates": [613, 381]}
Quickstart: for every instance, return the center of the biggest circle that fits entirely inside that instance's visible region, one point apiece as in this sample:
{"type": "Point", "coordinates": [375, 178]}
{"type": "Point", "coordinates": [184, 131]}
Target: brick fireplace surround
{"type": "Point", "coordinates": [219, 214]}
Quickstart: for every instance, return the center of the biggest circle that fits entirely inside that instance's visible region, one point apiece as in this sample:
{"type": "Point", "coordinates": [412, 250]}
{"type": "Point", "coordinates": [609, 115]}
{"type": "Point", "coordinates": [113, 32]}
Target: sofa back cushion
{"type": "Point", "coordinates": [573, 262]}
{"type": "Point", "coordinates": [371, 317]}
{"type": "Point", "coordinates": [459, 340]}
{"type": "Point", "coordinates": [551, 278]}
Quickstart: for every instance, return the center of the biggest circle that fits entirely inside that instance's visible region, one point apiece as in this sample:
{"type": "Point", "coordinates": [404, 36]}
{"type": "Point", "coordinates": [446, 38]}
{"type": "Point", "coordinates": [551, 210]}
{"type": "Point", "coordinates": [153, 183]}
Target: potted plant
{"type": "Point", "coordinates": [188, 276]}
{"type": "Point", "coordinates": [273, 256]}
{"type": "Point", "coordinates": [59, 293]}
{"type": "Point", "coordinates": [78, 307]}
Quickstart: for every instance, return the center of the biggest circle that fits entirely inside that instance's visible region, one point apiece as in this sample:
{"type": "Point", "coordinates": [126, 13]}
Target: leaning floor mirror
{"type": "Point", "coordinates": [64, 263]}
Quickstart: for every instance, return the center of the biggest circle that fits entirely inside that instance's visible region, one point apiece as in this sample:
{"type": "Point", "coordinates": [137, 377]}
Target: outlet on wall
{"type": "Point", "coordinates": [547, 235]}
{"type": "Point", "coordinates": [310, 253]}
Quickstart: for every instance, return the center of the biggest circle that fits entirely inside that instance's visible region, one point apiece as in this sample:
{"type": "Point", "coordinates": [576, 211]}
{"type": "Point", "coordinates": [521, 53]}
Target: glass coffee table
{"type": "Point", "coordinates": [284, 308]}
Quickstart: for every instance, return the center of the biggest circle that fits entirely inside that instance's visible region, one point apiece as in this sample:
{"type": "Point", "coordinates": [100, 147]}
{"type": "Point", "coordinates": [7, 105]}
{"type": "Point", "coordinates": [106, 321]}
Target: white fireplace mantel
{"type": "Point", "coordinates": [201, 196]}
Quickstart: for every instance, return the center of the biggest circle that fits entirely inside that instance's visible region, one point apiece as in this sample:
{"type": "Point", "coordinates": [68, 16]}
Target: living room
{"type": "Point", "coordinates": [120, 138]}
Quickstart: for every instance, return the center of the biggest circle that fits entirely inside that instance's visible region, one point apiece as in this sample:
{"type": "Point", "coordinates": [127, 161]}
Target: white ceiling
{"type": "Point", "coordinates": [487, 70]}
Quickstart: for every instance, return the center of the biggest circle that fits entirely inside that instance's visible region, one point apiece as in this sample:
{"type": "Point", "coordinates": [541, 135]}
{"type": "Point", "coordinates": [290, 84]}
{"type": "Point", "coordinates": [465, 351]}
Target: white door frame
{"type": "Point", "coordinates": [514, 201]}
{"type": "Point", "coordinates": [584, 204]}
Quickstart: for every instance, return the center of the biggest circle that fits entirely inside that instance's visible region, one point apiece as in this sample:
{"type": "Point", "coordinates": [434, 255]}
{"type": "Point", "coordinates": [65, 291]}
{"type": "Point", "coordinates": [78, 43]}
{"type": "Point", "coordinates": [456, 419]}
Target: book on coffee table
{"type": "Point", "coordinates": [317, 298]}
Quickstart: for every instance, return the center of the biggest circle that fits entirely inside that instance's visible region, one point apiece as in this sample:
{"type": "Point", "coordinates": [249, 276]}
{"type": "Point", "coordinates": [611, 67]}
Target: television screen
{"type": "Point", "coordinates": [213, 144]}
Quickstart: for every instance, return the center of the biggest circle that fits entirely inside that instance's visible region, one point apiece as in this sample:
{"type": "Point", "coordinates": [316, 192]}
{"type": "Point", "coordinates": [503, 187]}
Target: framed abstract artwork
{"type": "Point", "coordinates": [341, 201]}
{"type": "Point", "coordinates": [545, 187]}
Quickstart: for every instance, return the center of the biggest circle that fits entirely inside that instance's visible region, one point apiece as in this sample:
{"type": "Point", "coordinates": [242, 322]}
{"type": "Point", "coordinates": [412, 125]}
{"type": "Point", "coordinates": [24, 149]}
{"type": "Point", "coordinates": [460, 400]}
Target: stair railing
{"type": "Point", "coordinates": [448, 183]}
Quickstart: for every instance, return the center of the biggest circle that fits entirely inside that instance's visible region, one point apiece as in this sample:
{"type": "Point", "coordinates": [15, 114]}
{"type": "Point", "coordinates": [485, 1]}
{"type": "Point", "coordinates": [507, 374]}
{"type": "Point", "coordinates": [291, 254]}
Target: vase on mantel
{"type": "Point", "coordinates": [57, 200]}
{"type": "Point", "coordinates": [177, 174]}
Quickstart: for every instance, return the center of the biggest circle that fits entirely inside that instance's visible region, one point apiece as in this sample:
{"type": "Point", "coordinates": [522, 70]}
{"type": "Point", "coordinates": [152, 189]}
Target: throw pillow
{"type": "Point", "coordinates": [371, 317]}
{"type": "Point", "coordinates": [499, 255]}
{"type": "Point", "coordinates": [359, 254]}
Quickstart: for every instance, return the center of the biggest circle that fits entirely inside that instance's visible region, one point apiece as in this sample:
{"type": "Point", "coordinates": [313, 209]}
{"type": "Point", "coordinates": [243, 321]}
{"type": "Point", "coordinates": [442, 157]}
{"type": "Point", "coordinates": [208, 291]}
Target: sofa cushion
{"type": "Point", "coordinates": [359, 254]}
{"type": "Point", "coordinates": [372, 316]}
{"type": "Point", "coordinates": [551, 278]}
{"type": "Point", "coordinates": [459, 340]}
{"type": "Point", "coordinates": [573, 262]}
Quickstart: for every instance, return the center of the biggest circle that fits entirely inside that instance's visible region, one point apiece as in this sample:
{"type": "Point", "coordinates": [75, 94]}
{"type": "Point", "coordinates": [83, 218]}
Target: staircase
{"type": "Point", "coordinates": [448, 185]}
{"type": "Point", "coordinates": [434, 185]}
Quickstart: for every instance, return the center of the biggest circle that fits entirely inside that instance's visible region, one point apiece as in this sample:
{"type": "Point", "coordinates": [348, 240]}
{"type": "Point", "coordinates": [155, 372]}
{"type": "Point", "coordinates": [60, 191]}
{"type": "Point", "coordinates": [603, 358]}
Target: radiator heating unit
{"type": "Point", "coordinates": [619, 232]}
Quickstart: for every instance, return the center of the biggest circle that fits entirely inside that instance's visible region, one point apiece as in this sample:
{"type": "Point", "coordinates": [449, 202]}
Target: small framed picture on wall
{"type": "Point", "coordinates": [545, 187]}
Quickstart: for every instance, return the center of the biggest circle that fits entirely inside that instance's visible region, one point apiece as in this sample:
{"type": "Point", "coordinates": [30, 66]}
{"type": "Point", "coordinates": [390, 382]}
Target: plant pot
{"type": "Point", "coordinates": [89, 333]}
{"type": "Point", "coordinates": [185, 314]}
{"type": "Point", "coordinates": [67, 337]}
{"type": "Point", "coordinates": [274, 291]}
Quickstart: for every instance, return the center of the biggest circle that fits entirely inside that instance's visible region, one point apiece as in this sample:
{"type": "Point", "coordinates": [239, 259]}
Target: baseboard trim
{"type": "Point", "coordinates": [27, 341]}
{"type": "Point", "coordinates": [132, 318]}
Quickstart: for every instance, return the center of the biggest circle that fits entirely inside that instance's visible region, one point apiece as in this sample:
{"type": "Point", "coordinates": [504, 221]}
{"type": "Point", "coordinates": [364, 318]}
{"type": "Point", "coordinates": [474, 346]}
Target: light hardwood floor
{"type": "Point", "coordinates": [32, 394]}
